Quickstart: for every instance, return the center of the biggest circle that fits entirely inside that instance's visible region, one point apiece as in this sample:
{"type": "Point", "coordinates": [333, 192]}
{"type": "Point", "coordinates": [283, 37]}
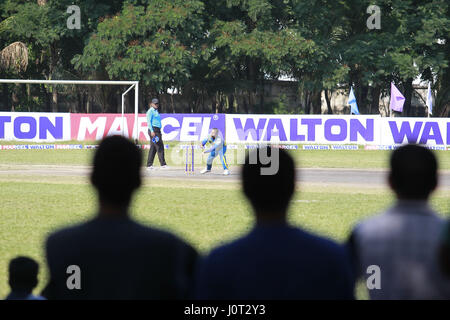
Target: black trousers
{"type": "Point", "coordinates": [156, 148]}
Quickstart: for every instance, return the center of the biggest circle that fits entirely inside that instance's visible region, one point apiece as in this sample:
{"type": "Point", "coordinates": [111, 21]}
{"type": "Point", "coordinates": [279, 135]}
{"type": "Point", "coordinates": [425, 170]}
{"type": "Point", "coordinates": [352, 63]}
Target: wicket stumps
{"type": "Point", "coordinates": [189, 159]}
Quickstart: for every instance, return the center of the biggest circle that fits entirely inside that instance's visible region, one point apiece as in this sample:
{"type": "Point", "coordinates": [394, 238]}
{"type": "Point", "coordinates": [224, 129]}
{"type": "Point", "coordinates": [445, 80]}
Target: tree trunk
{"type": "Point", "coordinates": [171, 102]}
{"type": "Point", "coordinates": [230, 104]}
{"type": "Point", "coordinates": [244, 104]}
{"type": "Point", "coordinates": [375, 103]}
{"type": "Point", "coordinates": [113, 102]}
{"type": "Point", "coordinates": [79, 104]}
{"type": "Point", "coordinates": [88, 105]}
{"type": "Point", "coordinates": [407, 110]}
{"type": "Point", "coordinates": [53, 64]}
{"type": "Point", "coordinates": [361, 94]}
{"type": "Point", "coordinates": [316, 102]}
{"type": "Point", "coordinates": [252, 78]}
{"type": "Point", "coordinates": [46, 97]}
{"type": "Point", "coordinates": [441, 105]}
{"type": "Point", "coordinates": [15, 97]}
{"type": "Point", "coordinates": [250, 104]}
{"type": "Point", "coordinates": [327, 98]}
{"type": "Point", "coordinates": [220, 103]}
{"type": "Point", "coordinates": [22, 96]}
{"type": "Point", "coordinates": [261, 94]}
{"type": "Point", "coordinates": [84, 100]}
{"type": "Point", "coordinates": [28, 89]}
{"type": "Point", "coordinates": [119, 104]}
{"type": "Point", "coordinates": [141, 99]}
{"type": "Point", "coordinates": [54, 99]}
{"type": "Point", "coordinates": [5, 99]}
{"type": "Point", "coordinates": [129, 102]}
{"type": "Point", "coordinates": [307, 103]}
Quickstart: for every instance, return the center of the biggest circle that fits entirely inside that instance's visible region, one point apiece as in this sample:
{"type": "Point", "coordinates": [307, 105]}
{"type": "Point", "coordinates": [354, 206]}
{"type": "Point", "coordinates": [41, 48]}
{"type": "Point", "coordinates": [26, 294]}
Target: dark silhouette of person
{"type": "Point", "coordinates": [112, 256]}
{"type": "Point", "coordinates": [403, 242]}
{"type": "Point", "coordinates": [444, 251]}
{"type": "Point", "coordinates": [23, 278]}
{"type": "Point", "coordinates": [274, 260]}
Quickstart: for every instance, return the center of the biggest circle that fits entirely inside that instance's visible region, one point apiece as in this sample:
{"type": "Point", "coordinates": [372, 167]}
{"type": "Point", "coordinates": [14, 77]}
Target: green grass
{"type": "Point", "coordinates": [50, 157]}
{"type": "Point", "coordinates": [34, 206]}
{"type": "Point", "coordinates": [32, 209]}
{"type": "Point", "coordinates": [304, 158]}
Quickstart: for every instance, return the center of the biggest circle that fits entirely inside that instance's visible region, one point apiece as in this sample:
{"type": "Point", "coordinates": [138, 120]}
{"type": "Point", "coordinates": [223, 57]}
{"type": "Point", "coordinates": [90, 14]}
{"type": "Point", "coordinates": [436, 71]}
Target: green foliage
{"type": "Point", "coordinates": [407, 45]}
{"type": "Point", "coordinates": [206, 216]}
{"type": "Point", "coordinates": [158, 44]}
{"type": "Point", "coordinates": [228, 48]}
{"type": "Point", "coordinates": [280, 106]}
{"type": "Point", "coordinates": [30, 104]}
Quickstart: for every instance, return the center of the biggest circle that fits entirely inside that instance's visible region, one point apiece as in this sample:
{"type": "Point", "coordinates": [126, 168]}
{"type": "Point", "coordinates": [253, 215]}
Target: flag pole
{"type": "Point", "coordinates": [429, 98]}
{"type": "Point", "coordinates": [390, 97]}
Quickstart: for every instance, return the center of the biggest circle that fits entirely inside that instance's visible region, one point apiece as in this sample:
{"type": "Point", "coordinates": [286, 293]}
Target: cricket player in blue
{"type": "Point", "coordinates": [154, 131]}
{"type": "Point", "coordinates": [217, 147]}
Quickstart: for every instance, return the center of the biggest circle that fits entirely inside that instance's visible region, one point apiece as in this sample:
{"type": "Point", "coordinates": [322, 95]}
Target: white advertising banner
{"type": "Point", "coordinates": [429, 131]}
{"type": "Point", "coordinates": [330, 129]}
{"type": "Point", "coordinates": [311, 130]}
{"type": "Point", "coordinates": [37, 127]}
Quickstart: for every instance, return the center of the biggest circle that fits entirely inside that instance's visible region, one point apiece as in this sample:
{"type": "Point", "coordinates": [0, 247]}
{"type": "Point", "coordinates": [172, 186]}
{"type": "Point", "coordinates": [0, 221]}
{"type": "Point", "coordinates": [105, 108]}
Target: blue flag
{"type": "Point", "coordinates": [352, 102]}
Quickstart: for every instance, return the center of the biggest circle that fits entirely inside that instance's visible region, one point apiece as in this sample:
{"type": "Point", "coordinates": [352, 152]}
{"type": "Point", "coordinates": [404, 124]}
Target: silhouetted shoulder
{"type": "Point", "coordinates": [123, 231]}
{"type": "Point", "coordinates": [158, 235]}
{"type": "Point", "coordinates": [276, 263]}
{"type": "Point", "coordinates": [288, 240]}
{"type": "Point", "coordinates": [66, 233]}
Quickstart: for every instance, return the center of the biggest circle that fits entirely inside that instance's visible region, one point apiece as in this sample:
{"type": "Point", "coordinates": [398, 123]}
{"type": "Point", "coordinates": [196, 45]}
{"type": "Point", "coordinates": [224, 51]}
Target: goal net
{"type": "Point", "coordinates": [127, 85]}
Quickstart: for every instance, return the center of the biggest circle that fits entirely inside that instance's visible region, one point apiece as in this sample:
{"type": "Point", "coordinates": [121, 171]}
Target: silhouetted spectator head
{"type": "Point", "coordinates": [413, 172]}
{"type": "Point", "coordinates": [23, 274]}
{"type": "Point", "coordinates": [268, 178]}
{"type": "Point", "coordinates": [116, 173]}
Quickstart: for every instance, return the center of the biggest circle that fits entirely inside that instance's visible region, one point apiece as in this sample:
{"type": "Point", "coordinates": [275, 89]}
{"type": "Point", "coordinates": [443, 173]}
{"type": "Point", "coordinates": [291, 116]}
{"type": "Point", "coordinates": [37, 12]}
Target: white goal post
{"type": "Point", "coordinates": [133, 85]}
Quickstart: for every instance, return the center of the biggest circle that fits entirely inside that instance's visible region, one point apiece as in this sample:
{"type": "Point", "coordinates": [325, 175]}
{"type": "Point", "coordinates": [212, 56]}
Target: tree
{"type": "Point", "coordinates": [322, 69]}
{"type": "Point", "coordinates": [13, 60]}
{"type": "Point", "coordinates": [155, 42]}
{"type": "Point", "coordinates": [405, 47]}
{"type": "Point", "coordinates": [14, 57]}
{"type": "Point", "coordinates": [220, 53]}
{"type": "Point", "coordinates": [34, 23]}
{"type": "Point", "coordinates": [42, 27]}
{"type": "Point", "coordinates": [252, 41]}
{"type": "Point", "coordinates": [442, 76]}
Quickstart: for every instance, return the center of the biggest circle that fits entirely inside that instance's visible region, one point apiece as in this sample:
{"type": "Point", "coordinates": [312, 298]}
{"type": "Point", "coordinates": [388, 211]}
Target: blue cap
{"type": "Point", "coordinates": [155, 101]}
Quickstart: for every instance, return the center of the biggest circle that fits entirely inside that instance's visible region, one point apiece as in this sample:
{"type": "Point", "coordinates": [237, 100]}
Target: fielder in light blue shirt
{"type": "Point", "coordinates": [154, 132]}
{"type": "Point", "coordinates": [153, 118]}
{"type": "Point", "coordinates": [217, 147]}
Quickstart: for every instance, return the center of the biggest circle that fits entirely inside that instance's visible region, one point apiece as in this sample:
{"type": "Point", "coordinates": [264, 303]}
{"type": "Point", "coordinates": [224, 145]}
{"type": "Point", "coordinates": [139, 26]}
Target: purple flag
{"type": "Point", "coordinates": [397, 99]}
